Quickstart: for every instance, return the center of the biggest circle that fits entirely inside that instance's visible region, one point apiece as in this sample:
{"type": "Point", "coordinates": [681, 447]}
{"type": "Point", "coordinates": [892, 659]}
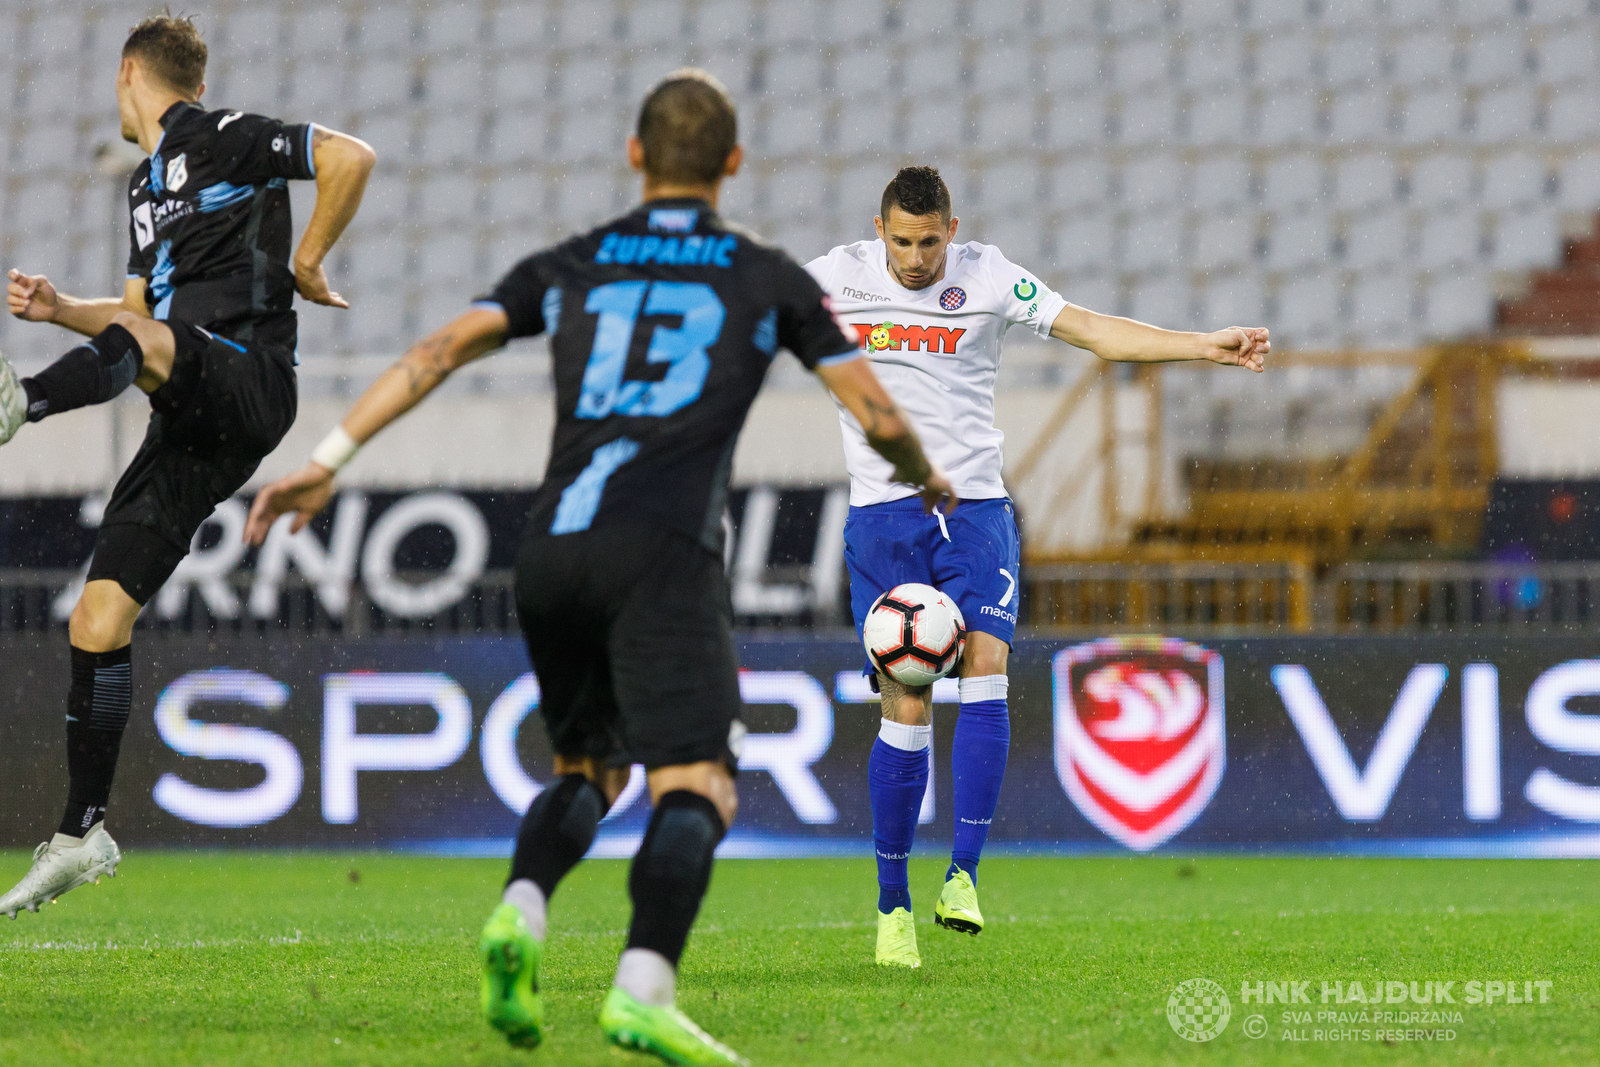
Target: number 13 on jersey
{"type": "Point", "coordinates": [683, 348]}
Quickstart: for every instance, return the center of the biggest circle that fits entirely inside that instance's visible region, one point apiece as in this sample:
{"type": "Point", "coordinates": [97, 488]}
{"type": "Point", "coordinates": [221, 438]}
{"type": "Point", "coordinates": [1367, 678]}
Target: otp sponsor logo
{"type": "Point", "coordinates": [882, 336]}
{"type": "Point", "coordinates": [1140, 744]}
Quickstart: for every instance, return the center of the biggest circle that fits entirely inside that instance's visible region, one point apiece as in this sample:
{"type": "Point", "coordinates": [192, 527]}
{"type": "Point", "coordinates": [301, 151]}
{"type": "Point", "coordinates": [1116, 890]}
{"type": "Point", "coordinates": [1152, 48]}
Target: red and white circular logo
{"type": "Point", "coordinates": [952, 298]}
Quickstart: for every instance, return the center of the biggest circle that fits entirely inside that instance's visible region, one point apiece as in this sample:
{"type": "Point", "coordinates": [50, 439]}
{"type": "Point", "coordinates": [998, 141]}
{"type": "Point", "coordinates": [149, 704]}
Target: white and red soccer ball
{"type": "Point", "coordinates": [914, 634]}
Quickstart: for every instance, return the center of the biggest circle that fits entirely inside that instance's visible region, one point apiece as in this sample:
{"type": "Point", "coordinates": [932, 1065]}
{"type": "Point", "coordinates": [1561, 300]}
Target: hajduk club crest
{"type": "Point", "coordinates": [1140, 743]}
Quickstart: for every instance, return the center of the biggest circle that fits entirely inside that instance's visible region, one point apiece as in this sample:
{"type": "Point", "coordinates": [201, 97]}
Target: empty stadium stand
{"type": "Point", "coordinates": [1353, 172]}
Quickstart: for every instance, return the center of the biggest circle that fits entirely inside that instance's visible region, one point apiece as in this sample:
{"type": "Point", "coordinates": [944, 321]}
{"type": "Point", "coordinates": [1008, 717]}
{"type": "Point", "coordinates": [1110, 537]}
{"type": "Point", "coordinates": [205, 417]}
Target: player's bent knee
{"type": "Point", "coordinates": [985, 654]}
{"type": "Point", "coordinates": [148, 332]}
{"type": "Point", "coordinates": [907, 705]}
{"type": "Point", "coordinates": [103, 619]}
{"type": "Point", "coordinates": [709, 779]}
{"type": "Point", "coordinates": [156, 345]}
{"type": "Point", "coordinates": [610, 781]}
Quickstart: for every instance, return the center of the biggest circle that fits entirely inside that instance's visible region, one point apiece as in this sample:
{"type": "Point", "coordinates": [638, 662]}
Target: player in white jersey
{"type": "Point", "coordinates": [932, 315]}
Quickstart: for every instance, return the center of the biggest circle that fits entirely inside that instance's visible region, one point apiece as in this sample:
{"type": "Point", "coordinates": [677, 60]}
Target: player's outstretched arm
{"type": "Point", "coordinates": [399, 389]}
{"type": "Point", "coordinates": [888, 429]}
{"type": "Point", "coordinates": [32, 298]}
{"type": "Point", "coordinates": [1122, 340]}
{"type": "Point", "coordinates": [342, 163]}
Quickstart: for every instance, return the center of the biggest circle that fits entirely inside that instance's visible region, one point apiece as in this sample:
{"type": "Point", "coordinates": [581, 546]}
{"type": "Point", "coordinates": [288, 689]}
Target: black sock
{"type": "Point", "coordinates": [96, 371]}
{"type": "Point", "coordinates": [97, 712]}
{"type": "Point", "coordinates": [671, 872]}
{"type": "Point", "coordinates": [557, 831]}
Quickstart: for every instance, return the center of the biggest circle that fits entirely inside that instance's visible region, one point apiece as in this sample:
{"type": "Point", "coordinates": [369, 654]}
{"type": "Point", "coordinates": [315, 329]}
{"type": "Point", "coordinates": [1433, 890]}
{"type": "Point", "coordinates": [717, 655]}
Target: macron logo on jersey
{"type": "Point", "coordinates": [889, 336]}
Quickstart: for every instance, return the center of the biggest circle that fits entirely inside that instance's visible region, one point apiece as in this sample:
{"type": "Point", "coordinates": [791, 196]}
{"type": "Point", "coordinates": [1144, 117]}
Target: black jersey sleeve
{"type": "Point", "coordinates": [249, 149]}
{"type": "Point", "coordinates": [525, 296]}
{"type": "Point", "coordinates": [806, 323]}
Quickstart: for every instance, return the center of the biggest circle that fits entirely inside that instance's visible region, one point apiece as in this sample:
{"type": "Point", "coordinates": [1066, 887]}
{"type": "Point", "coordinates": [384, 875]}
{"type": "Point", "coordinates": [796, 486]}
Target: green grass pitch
{"type": "Point", "coordinates": [269, 958]}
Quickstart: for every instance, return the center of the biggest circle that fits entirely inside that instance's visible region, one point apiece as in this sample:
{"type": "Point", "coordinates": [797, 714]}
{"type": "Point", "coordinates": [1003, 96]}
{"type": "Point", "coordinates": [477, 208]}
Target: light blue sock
{"type": "Point", "coordinates": [897, 776]}
{"type": "Point", "coordinates": [978, 765]}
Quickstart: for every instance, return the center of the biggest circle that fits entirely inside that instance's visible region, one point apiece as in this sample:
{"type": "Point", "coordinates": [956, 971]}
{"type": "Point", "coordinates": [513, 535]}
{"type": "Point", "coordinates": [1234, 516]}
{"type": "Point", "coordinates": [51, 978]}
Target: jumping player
{"type": "Point", "coordinates": [662, 324]}
{"type": "Point", "coordinates": [205, 326]}
{"type": "Point", "coordinates": [931, 315]}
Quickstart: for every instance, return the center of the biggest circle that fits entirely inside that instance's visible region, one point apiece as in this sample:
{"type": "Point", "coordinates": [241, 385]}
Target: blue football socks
{"type": "Point", "coordinates": [897, 777]}
{"type": "Point", "coordinates": [978, 765]}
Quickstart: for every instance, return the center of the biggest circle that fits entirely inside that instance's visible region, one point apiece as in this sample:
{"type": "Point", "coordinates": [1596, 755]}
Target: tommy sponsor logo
{"type": "Point", "coordinates": [889, 336]}
{"type": "Point", "coordinates": [1140, 742]}
{"type": "Point", "coordinates": [857, 294]}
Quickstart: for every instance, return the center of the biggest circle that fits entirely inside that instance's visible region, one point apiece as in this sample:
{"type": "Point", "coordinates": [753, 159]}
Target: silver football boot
{"type": "Point", "coordinates": [13, 401]}
{"type": "Point", "coordinates": [62, 864]}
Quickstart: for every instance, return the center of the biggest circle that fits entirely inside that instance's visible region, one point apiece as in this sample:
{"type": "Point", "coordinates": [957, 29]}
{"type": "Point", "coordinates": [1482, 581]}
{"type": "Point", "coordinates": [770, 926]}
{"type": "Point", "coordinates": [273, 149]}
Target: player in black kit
{"type": "Point", "coordinates": [662, 324]}
{"type": "Point", "coordinates": [205, 326]}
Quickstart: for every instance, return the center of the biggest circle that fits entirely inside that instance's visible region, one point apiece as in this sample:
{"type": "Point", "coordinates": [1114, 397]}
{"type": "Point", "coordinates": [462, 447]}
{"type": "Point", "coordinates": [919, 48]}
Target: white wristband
{"type": "Point", "coordinates": [336, 450]}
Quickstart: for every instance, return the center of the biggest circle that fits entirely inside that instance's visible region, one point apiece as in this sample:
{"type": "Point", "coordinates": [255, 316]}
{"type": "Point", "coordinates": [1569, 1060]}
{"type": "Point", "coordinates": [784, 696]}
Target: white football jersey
{"type": "Point", "coordinates": [937, 351]}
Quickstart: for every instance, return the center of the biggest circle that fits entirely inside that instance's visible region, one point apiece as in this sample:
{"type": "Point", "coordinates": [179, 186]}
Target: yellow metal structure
{"type": "Point", "coordinates": [1417, 486]}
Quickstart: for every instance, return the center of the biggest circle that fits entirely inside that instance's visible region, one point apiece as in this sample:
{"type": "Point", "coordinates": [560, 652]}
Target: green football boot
{"type": "Point", "coordinates": [897, 939]}
{"type": "Point", "coordinates": [958, 905]}
{"type": "Point", "coordinates": [509, 991]}
{"type": "Point", "coordinates": [664, 1032]}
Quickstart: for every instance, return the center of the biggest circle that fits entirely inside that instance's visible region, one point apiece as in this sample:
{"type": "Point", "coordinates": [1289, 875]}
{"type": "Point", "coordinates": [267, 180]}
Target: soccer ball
{"type": "Point", "coordinates": [914, 634]}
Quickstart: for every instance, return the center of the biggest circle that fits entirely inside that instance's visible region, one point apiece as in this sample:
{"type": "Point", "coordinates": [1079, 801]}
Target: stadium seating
{"type": "Point", "coordinates": [1353, 172]}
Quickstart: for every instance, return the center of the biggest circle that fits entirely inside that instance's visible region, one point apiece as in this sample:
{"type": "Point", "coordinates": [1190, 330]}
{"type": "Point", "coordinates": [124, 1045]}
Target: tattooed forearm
{"type": "Point", "coordinates": [889, 433]}
{"type": "Point", "coordinates": [877, 414]}
{"type": "Point", "coordinates": [319, 137]}
{"type": "Point", "coordinates": [428, 363]}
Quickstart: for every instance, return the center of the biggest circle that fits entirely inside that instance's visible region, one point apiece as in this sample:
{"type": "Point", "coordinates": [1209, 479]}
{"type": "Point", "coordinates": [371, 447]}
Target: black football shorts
{"type": "Point", "coordinates": [225, 407]}
{"type": "Point", "coordinates": [631, 634]}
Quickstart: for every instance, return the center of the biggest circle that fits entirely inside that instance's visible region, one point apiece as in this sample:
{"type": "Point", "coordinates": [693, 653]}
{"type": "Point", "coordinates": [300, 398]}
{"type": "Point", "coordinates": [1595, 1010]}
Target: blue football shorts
{"type": "Point", "coordinates": [974, 557]}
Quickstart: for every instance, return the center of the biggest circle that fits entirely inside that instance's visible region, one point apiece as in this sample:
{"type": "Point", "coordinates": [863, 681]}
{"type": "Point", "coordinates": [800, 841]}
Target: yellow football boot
{"type": "Point", "coordinates": [958, 905]}
{"type": "Point", "coordinates": [897, 939]}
